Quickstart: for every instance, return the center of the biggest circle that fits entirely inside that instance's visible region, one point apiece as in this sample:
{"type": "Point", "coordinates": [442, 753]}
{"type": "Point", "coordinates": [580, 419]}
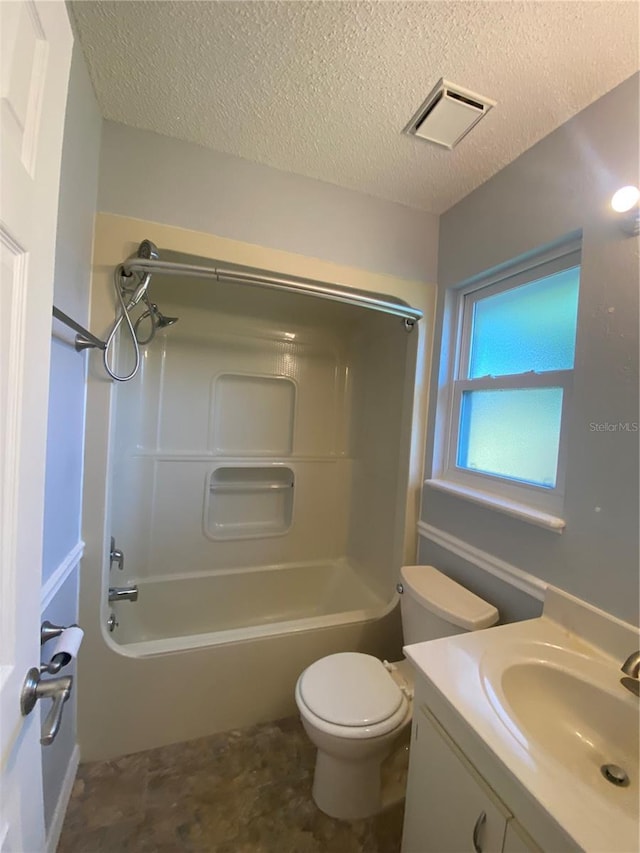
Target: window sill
{"type": "Point", "coordinates": [508, 507]}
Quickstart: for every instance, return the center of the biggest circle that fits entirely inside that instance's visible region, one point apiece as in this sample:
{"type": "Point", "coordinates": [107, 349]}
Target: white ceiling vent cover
{"type": "Point", "coordinates": [448, 114]}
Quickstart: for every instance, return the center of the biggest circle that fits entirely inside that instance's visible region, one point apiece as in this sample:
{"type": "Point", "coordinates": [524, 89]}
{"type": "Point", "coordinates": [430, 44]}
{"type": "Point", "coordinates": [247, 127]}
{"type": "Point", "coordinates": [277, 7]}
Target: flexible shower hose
{"type": "Point", "coordinates": [108, 354]}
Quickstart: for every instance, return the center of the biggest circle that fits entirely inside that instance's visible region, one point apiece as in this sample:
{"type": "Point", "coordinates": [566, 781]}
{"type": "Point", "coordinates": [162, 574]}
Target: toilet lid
{"type": "Point", "coordinates": [350, 689]}
{"type": "Point", "coordinates": [447, 599]}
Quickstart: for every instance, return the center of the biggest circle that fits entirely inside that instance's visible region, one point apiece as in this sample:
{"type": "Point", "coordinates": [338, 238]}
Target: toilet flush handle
{"type": "Point", "coordinates": [399, 588]}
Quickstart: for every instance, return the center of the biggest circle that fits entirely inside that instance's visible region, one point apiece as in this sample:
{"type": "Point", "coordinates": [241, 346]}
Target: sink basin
{"type": "Point", "coordinates": [538, 707]}
{"type": "Point", "coordinates": [569, 709]}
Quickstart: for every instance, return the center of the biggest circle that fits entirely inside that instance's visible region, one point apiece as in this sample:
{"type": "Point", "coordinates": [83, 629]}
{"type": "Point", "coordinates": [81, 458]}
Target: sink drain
{"type": "Point", "coordinates": [614, 774]}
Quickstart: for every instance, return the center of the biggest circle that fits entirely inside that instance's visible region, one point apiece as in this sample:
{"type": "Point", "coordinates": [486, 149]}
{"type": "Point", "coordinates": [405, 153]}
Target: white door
{"type": "Point", "coordinates": [35, 44]}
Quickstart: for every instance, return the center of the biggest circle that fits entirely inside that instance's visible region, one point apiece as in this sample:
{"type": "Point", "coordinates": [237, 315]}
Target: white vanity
{"type": "Point", "coordinates": [515, 732]}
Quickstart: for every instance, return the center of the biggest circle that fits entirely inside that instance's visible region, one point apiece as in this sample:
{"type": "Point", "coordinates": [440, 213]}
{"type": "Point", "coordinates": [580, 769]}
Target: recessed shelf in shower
{"type": "Point", "coordinates": [253, 415]}
{"type": "Point", "coordinates": [248, 502]}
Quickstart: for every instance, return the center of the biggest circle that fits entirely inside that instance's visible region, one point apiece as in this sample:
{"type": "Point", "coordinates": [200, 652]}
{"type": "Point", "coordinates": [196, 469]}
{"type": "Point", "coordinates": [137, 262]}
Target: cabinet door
{"type": "Point", "coordinates": [518, 840]}
{"type": "Point", "coordinates": [449, 807]}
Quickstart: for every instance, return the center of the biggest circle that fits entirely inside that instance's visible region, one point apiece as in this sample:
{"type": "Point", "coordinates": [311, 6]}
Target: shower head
{"type": "Point", "coordinates": [157, 321]}
{"type": "Point", "coordinates": [148, 251]}
{"type": "Point", "coordinates": [162, 321]}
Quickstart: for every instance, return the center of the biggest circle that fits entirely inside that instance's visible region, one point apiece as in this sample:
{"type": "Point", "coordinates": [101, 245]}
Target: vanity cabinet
{"type": "Point", "coordinates": [518, 840]}
{"type": "Point", "coordinates": [449, 806]}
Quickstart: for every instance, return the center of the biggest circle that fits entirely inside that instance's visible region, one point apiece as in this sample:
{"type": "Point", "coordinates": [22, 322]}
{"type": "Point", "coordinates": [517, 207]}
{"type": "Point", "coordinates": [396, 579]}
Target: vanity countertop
{"type": "Point", "coordinates": [548, 704]}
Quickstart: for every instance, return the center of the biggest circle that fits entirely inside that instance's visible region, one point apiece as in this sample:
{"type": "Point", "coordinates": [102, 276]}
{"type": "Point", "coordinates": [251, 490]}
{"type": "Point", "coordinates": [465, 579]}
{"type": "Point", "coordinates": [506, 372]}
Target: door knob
{"type": "Point", "coordinates": [58, 689]}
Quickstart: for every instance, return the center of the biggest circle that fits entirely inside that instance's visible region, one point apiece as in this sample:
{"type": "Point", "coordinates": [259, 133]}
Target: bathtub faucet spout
{"type": "Point", "coordinates": [123, 593]}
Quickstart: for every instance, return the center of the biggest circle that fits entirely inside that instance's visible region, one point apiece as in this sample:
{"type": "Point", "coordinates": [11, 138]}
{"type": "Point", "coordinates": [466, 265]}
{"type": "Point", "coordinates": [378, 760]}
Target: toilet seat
{"type": "Point", "coordinates": [351, 695]}
{"type": "Point", "coordinates": [350, 689]}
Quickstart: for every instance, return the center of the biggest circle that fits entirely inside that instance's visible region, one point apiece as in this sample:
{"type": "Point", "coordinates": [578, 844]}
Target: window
{"type": "Point", "coordinates": [508, 384]}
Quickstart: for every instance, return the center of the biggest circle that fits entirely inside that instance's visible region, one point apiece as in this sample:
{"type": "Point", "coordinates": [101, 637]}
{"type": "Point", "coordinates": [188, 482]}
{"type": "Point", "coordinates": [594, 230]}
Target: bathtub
{"type": "Point", "coordinates": [181, 612]}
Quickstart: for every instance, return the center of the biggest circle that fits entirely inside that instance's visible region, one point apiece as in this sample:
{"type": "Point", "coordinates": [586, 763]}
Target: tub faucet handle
{"type": "Point", "coordinates": [116, 555]}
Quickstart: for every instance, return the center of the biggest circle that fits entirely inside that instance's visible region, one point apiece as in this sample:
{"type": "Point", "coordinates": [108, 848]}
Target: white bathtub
{"type": "Point", "coordinates": [192, 611]}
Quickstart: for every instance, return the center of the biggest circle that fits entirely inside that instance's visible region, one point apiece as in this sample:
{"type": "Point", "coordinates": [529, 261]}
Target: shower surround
{"type": "Point", "coordinates": [255, 474]}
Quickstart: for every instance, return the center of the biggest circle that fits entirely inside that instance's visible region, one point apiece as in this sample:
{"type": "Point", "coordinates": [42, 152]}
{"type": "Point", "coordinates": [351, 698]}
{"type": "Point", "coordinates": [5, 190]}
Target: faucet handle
{"type": "Point", "coordinates": [116, 555]}
{"type": "Point", "coordinates": [631, 669]}
{"type": "Point", "coordinates": [631, 666]}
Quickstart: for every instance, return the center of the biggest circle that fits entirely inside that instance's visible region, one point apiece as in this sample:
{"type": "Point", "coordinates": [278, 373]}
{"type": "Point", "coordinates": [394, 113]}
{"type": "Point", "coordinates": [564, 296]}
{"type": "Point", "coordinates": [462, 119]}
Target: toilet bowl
{"type": "Point", "coordinates": [354, 707]}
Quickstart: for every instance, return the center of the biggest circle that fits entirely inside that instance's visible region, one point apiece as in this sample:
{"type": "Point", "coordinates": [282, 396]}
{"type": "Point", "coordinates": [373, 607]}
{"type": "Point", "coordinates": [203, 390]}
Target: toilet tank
{"type": "Point", "coordinates": [433, 606]}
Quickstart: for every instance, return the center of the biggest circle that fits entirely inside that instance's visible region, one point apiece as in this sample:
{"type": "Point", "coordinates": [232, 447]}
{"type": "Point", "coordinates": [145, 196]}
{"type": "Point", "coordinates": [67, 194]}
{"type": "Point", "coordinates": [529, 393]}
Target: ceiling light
{"type": "Point", "coordinates": [448, 114]}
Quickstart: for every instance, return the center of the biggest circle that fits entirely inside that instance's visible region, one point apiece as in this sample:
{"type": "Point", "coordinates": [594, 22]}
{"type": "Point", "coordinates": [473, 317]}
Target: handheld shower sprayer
{"type": "Point", "coordinates": [148, 251]}
{"type": "Point", "coordinates": [139, 292]}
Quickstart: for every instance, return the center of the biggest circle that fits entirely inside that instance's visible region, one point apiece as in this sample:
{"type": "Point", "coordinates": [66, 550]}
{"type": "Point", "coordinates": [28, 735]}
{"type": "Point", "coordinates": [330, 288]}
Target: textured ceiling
{"type": "Point", "coordinates": [324, 89]}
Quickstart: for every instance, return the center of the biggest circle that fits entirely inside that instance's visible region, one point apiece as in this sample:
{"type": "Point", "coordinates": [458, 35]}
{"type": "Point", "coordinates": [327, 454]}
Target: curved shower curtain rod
{"type": "Point", "coordinates": [262, 278]}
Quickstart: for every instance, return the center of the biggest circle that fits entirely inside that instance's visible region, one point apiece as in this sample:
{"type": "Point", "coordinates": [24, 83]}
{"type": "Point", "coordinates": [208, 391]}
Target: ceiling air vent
{"type": "Point", "coordinates": [448, 114]}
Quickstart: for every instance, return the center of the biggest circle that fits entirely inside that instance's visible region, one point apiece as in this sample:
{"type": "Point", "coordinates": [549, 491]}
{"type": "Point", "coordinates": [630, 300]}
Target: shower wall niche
{"type": "Point", "coordinates": [265, 431]}
{"type": "Point", "coordinates": [250, 501]}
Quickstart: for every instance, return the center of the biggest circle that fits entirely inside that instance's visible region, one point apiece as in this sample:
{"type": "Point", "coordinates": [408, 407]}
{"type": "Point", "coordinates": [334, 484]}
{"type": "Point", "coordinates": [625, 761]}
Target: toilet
{"type": "Point", "coordinates": [354, 707]}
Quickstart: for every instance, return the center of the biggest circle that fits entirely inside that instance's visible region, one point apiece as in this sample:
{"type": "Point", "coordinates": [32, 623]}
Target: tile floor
{"type": "Point", "coordinates": [245, 791]}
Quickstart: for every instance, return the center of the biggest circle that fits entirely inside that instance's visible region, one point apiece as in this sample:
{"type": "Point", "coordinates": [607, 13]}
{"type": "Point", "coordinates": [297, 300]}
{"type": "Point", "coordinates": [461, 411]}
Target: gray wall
{"type": "Point", "coordinates": [562, 184]}
{"type": "Point", "coordinates": [148, 176]}
{"type": "Point", "coordinates": [65, 433]}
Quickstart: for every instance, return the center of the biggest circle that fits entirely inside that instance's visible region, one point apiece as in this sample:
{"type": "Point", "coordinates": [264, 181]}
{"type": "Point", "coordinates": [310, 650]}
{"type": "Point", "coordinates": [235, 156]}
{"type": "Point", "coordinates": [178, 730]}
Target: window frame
{"type": "Point", "coordinates": [461, 308]}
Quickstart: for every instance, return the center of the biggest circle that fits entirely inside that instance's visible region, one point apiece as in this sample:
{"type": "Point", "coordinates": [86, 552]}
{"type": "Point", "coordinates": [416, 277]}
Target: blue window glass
{"type": "Point", "coordinates": [512, 433]}
{"type": "Point", "coordinates": [532, 327]}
